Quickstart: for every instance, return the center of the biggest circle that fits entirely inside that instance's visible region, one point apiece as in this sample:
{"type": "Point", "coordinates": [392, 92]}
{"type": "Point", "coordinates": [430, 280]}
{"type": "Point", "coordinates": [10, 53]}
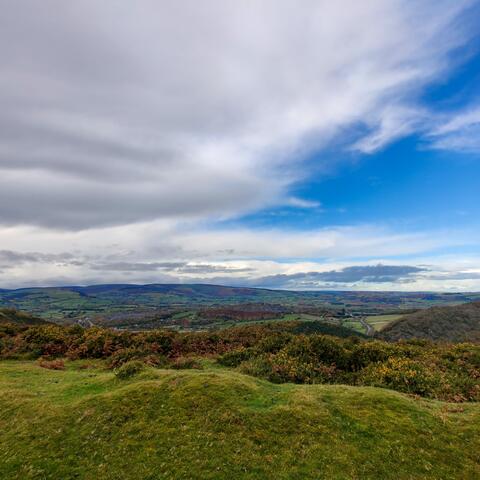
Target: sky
{"type": "Point", "coordinates": [274, 143]}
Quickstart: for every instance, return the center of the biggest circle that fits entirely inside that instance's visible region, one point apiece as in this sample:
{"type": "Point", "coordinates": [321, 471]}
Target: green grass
{"type": "Point", "coordinates": [353, 325]}
{"type": "Point", "coordinates": [380, 321]}
{"type": "Point", "coordinates": [216, 424]}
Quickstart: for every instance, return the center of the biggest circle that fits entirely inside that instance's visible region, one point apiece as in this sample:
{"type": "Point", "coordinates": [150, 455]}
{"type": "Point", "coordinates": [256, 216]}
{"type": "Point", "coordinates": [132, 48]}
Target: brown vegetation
{"type": "Point", "coordinates": [276, 352]}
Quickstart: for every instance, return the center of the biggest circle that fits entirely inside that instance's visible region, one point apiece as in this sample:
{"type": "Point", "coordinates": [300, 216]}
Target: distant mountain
{"type": "Point", "coordinates": [456, 324]}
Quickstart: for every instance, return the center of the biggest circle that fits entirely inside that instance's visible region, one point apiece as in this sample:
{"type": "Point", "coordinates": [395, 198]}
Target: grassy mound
{"type": "Point", "coordinates": [85, 423]}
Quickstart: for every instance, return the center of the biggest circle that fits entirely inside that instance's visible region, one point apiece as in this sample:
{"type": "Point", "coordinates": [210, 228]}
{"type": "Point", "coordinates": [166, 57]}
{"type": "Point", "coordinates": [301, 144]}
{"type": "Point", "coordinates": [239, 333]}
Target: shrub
{"type": "Point", "coordinates": [365, 353]}
{"type": "Point", "coordinates": [258, 367]}
{"type": "Point", "coordinates": [281, 368]}
{"type": "Point", "coordinates": [51, 364]}
{"type": "Point", "coordinates": [273, 343]}
{"type": "Point", "coordinates": [99, 343]}
{"type": "Point", "coordinates": [235, 357]}
{"type": "Point", "coordinates": [181, 363]}
{"type": "Point", "coordinates": [124, 355]}
{"type": "Point", "coordinates": [129, 369]}
{"type": "Point", "coordinates": [48, 340]}
{"type": "Point", "coordinates": [403, 375]}
{"type": "Point", "coordinates": [274, 352]}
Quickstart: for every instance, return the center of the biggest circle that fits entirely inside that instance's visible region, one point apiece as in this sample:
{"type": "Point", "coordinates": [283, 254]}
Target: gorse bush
{"type": "Point", "coordinates": [402, 374]}
{"type": "Point", "coordinates": [123, 355]}
{"type": "Point", "coordinates": [274, 352]}
{"type": "Point", "coordinates": [448, 372]}
{"type": "Point", "coordinates": [129, 369]}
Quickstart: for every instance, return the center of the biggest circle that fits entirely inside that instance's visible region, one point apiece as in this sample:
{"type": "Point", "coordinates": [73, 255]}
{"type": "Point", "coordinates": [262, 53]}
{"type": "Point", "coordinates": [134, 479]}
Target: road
{"type": "Point", "coordinates": [370, 330]}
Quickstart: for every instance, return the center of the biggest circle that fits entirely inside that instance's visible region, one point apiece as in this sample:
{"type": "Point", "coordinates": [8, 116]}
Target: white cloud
{"type": "Point", "coordinates": [128, 128]}
{"type": "Point", "coordinates": [391, 123]}
{"type": "Point", "coordinates": [302, 203]}
{"type": "Point", "coordinates": [164, 252]}
{"type": "Point", "coordinates": [115, 112]}
{"type": "Point", "coordinates": [460, 131]}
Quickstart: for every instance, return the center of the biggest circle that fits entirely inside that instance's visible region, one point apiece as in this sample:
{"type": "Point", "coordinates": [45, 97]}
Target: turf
{"type": "Point", "coordinates": [216, 424]}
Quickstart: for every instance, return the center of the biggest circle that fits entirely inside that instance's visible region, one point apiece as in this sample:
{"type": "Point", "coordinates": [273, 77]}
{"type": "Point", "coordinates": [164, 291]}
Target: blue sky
{"type": "Point", "coordinates": [408, 183]}
{"type": "Point", "coordinates": [293, 145]}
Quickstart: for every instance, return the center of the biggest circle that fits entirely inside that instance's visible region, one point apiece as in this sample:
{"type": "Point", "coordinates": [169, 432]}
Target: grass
{"type": "Point", "coordinates": [216, 424]}
{"type": "Point", "coordinates": [380, 321]}
{"type": "Point", "coordinates": [354, 325]}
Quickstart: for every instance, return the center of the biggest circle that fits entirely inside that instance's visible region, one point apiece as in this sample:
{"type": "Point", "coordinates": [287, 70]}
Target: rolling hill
{"type": "Point", "coordinates": [455, 324]}
{"type": "Point", "coordinates": [61, 303]}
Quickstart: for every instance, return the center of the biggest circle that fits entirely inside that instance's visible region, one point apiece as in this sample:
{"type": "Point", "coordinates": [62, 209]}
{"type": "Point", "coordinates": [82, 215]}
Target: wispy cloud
{"type": "Point", "coordinates": [302, 203]}
{"type": "Point", "coordinates": [460, 131]}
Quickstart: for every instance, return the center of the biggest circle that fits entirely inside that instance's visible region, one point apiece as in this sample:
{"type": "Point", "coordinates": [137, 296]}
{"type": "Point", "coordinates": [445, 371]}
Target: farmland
{"type": "Point", "coordinates": [203, 306]}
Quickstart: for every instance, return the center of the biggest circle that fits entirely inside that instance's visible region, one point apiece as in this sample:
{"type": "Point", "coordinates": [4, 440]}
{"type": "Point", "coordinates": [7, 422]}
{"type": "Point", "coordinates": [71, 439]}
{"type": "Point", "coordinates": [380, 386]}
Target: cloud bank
{"type": "Point", "coordinates": [116, 112]}
{"type": "Point", "coordinates": [127, 129]}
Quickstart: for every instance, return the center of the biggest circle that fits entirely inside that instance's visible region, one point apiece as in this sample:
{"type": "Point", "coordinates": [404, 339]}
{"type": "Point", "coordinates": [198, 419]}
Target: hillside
{"type": "Point", "coordinates": [10, 315]}
{"type": "Point", "coordinates": [218, 424]}
{"type": "Point", "coordinates": [455, 323]}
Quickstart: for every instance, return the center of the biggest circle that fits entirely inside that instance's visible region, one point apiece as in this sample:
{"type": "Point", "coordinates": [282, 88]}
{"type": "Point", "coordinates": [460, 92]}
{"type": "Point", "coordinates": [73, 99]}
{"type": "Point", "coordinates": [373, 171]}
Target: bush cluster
{"type": "Point", "coordinates": [443, 371]}
{"type": "Point", "coordinates": [274, 352]}
{"type": "Point", "coordinates": [155, 347]}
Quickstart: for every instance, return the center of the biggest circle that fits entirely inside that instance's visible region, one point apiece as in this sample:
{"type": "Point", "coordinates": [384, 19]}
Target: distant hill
{"type": "Point", "coordinates": [10, 315]}
{"type": "Point", "coordinates": [74, 302]}
{"type": "Point", "coordinates": [457, 323]}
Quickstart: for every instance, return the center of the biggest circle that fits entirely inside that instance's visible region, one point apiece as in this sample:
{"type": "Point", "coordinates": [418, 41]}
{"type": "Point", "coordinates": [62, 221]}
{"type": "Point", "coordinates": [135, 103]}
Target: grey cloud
{"type": "Point", "coordinates": [198, 269]}
{"type": "Point", "coordinates": [136, 266]}
{"type": "Point", "coordinates": [456, 276]}
{"type": "Point", "coordinates": [117, 112]}
{"type": "Point", "coordinates": [9, 258]}
{"type": "Point", "coordinates": [172, 267]}
{"type": "Point", "coordinates": [354, 274]}
{"type": "Point", "coordinates": [113, 263]}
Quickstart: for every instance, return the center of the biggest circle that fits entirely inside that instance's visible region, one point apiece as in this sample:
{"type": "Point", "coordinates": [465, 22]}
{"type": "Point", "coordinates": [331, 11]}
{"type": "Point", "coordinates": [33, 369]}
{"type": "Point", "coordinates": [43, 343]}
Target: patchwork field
{"type": "Point", "coordinates": [174, 305]}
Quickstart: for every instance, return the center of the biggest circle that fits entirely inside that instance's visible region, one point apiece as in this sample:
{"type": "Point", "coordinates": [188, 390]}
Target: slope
{"type": "Point", "coordinates": [10, 315]}
{"type": "Point", "coordinates": [457, 323]}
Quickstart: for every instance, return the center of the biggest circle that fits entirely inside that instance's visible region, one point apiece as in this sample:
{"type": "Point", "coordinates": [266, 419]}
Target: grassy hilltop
{"type": "Point", "coordinates": [84, 423]}
{"type": "Point", "coordinates": [279, 400]}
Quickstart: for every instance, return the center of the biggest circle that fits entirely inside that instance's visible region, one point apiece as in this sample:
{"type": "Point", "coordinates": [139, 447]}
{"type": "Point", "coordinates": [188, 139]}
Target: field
{"type": "Point", "coordinates": [380, 321]}
{"type": "Point", "coordinates": [215, 423]}
{"type": "Point", "coordinates": [158, 305]}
